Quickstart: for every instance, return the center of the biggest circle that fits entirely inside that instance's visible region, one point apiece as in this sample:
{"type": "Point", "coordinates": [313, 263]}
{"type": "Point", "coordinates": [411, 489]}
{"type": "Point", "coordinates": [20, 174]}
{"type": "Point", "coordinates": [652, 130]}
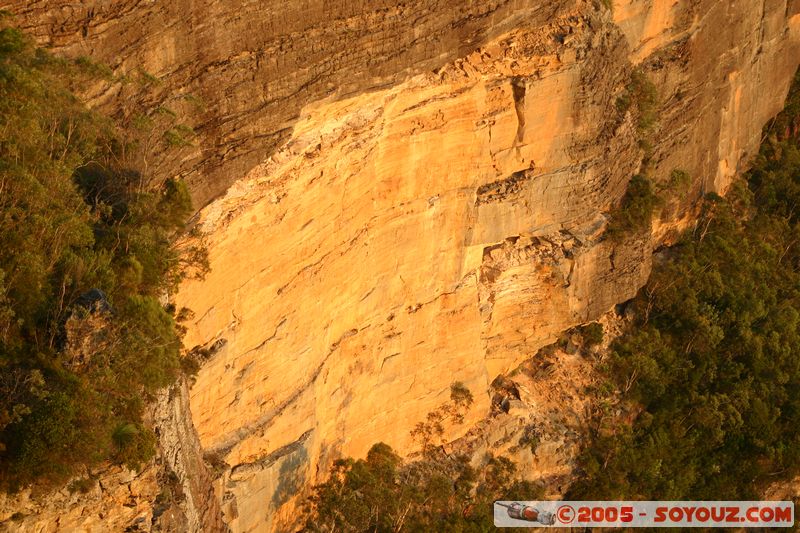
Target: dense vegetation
{"type": "Point", "coordinates": [86, 256]}
{"type": "Point", "coordinates": [709, 376]}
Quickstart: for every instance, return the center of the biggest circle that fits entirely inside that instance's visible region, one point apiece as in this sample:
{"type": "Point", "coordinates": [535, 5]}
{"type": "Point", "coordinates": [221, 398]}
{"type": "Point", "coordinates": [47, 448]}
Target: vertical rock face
{"type": "Point", "coordinates": [722, 69]}
{"type": "Point", "coordinates": [418, 193]}
{"type": "Point", "coordinates": [191, 503]}
{"type": "Point", "coordinates": [447, 227]}
{"type": "Point", "coordinates": [243, 69]}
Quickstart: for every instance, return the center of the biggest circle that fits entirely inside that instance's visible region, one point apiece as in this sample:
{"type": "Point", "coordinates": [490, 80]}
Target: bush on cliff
{"type": "Point", "coordinates": [635, 212]}
{"type": "Point", "coordinates": [643, 93]}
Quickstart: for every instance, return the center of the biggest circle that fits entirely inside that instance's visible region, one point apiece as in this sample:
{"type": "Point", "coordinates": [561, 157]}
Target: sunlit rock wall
{"type": "Point", "coordinates": [398, 197]}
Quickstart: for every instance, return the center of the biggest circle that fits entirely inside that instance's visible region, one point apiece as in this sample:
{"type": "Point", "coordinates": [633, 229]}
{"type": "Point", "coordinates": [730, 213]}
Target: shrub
{"type": "Point", "coordinates": [679, 180]}
{"type": "Point", "coordinates": [635, 212]}
{"type": "Point", "coordinates": [429, 432]}
{"type": "Point", "coordinates": [640, 91]}
{"type": "Point", "coordinates": [592, 334]}
{"type": "Point", "coordinates": [134, 445]}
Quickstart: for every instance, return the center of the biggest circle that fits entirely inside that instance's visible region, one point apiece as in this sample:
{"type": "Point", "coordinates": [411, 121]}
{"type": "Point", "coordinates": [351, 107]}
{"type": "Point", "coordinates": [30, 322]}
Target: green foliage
{"type": "Point", "coordinates": [133, 445]}
{"type": "Point", "coordinates": [436, 493]}
{"type": "Point", "coordinates": [635, 212]}
{"type": "Point", "coordinates": [148, 354]}
{"type": "Point", "coordinates": [679, 180]}
{"type": "Point", "coordinates": [146, 78]}
{"type": "Point", "coordinates": [179, 136]}
{"type": "Point", "coordinates": [642, 93]}
{"type": "Point", "coordinates": [461, 399]}
{"type": "Point", "coordinates": [94, 69]}
{"type": "Point", "coordinates": [677, 186]}
{"type": "Point", "coordinates": [60, 430]}
{"type": "Point", "coordinates": [709, 376]}
{"type": "Point", "coordinates": [592, 334]}
{"type": "Point", "coordinates": [430, 432]}
{"type": "Point", "coordinates": [75, 217]}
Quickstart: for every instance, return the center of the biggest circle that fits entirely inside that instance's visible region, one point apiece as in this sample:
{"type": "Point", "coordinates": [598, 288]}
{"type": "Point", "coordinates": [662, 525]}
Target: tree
{"type": "Point", "coordinates": [78, 228]}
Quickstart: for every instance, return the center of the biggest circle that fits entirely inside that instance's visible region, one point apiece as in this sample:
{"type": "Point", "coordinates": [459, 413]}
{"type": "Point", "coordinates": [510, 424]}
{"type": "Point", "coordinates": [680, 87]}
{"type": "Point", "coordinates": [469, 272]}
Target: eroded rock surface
{"type": "Point", "coordinates": [415, 194]}
{"type": "Point", "coordinates": [446, 228]}
{"type": "Point", "coordinates": [173, 492]}
{"type": "Point", "coordinates": [248, 67]}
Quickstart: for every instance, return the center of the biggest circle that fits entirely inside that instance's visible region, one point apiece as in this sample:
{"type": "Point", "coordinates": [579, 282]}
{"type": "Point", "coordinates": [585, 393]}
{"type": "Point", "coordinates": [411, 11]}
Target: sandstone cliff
{"type": "Point", "coordinates": [404, 196]}
{"type": "Point", "coordinates": [252, 66]}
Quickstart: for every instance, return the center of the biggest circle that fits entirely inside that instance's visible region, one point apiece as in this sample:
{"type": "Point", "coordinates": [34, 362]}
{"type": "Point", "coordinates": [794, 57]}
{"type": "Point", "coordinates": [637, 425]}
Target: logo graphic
{"type": "Point", "coordinates": [645, 514]}
{"type": "Point", "coordinates": [527, 513]}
